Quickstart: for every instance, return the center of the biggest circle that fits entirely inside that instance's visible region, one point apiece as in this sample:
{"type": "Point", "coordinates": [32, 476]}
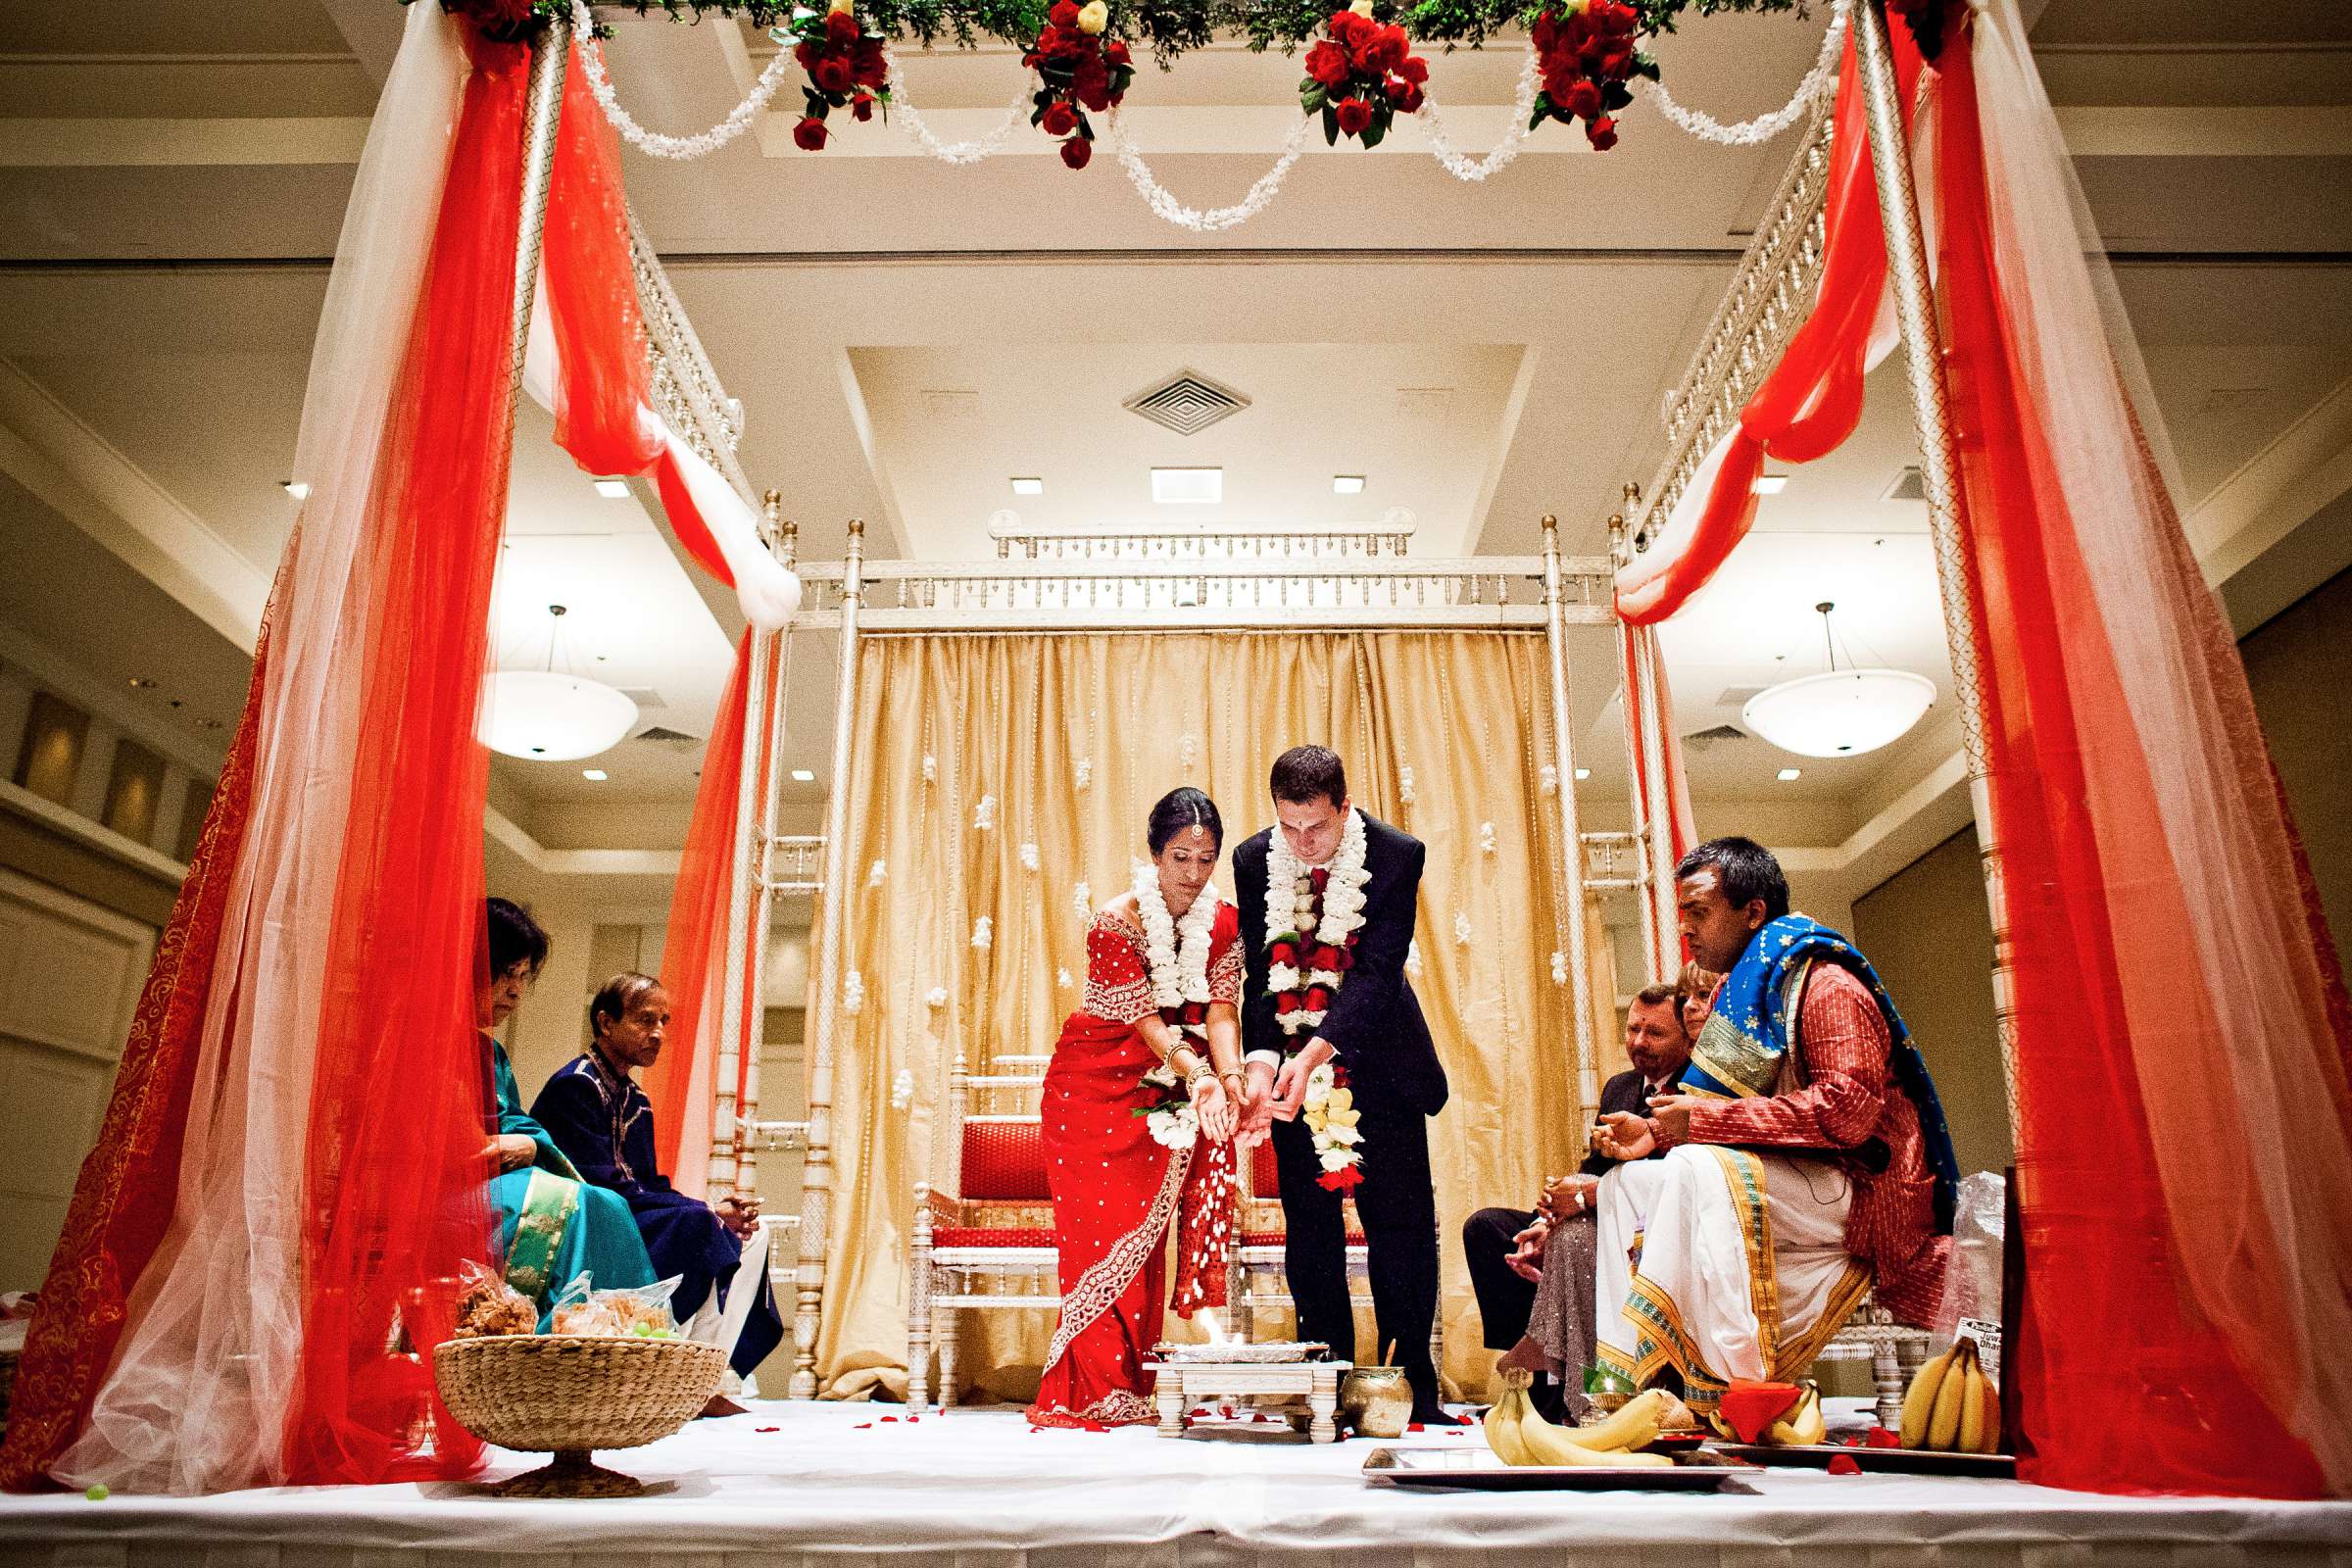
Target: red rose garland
{"type": "Point", "coordinates": [846, 67]}
{"type": "Point", "coordinates": [1078, 68]}
{"type": "Point", "coordinates": [1586, 53]}
{"type": "Point", "coordinates": [1362, 78]}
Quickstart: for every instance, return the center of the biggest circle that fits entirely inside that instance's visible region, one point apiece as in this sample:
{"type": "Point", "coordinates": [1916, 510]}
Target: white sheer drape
{"type": "Point", "coordinates": [202, 1381]}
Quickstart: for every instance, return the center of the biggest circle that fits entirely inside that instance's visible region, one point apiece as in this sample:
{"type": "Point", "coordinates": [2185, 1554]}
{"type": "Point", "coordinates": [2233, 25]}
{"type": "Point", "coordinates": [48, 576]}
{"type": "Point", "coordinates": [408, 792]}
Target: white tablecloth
{"type": "Point", "coordinates": [792, 1483]}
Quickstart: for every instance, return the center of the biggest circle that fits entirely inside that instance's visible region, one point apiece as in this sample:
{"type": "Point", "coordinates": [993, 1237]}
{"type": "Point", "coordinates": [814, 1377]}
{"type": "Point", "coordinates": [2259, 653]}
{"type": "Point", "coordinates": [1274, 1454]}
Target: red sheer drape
{"type": "Point", "coordinates": [124, 1196]}
{"type": "Point", "coordinates": [396, 1200]}
{"type": "Point", "coordinates": [1812, 401]}
{"type": "Point", "coordinates": [2129, 1383]}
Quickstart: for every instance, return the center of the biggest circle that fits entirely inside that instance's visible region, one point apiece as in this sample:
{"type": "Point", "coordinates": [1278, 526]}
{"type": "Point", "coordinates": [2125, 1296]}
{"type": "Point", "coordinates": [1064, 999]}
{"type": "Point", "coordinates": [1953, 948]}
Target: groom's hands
{"type": "Point", "coordinates": [1289, 1084]}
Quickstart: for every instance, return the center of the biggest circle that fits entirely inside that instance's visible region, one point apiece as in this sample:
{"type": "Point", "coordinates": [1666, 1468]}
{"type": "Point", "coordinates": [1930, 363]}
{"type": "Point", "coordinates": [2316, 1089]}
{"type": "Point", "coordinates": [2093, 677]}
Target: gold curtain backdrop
{"type": "Point", "coordinates": [1074, 736]}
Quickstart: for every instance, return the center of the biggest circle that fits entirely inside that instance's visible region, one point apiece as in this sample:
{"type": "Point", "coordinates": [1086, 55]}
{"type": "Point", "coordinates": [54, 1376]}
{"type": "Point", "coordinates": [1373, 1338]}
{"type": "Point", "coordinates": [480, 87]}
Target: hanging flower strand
{"type": "Point", "coordinates": [1077, 68]}
{"type": "Point", "coordinates": [846, 70]}
{"type": "Point", "coordinates": [1361, 76]}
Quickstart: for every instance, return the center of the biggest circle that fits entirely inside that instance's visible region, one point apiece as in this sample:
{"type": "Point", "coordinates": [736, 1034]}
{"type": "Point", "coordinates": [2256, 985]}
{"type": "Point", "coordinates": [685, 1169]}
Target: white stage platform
{"type": "Point", "coordinates": [793, 1484]}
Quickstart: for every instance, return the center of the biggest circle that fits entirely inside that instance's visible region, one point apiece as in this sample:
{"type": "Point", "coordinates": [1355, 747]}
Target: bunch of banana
{"type": "Point", "coordinates": [1803, 1425]}
{"type": "Point", "coordinates": [1520, 1437]}
{"type": "Point", "coordinates": [1952, 1404]}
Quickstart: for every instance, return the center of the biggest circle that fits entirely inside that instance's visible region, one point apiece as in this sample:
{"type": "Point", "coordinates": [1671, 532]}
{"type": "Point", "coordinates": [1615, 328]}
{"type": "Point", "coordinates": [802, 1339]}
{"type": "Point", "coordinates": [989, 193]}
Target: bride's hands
{"type": "Point", "coordinates": [1213, 1110]}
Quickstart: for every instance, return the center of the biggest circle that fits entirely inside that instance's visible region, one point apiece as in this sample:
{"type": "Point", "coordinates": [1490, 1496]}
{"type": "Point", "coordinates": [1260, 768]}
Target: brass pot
{"type": "Point", "coordinates": [1375, 1401]}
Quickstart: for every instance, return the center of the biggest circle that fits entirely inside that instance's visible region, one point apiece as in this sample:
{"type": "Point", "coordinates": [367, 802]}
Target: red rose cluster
{"type": "Point", "coordinates": [1586, 55]}
{"type": "Point", "coordinates": [1077, 71]}
{"type": "Point", "coordinates": [1362, 78]}
{"type": "Point", "coordinates": [846, 71]}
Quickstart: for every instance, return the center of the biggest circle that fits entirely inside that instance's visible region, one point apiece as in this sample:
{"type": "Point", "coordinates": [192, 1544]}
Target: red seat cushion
{"type": "Point", "coordinates": [1004, 1162]}
{"type": "Point", "coordinates": [990, 1236]}
{"type": "Point", "coordinates": [1276, 1238]}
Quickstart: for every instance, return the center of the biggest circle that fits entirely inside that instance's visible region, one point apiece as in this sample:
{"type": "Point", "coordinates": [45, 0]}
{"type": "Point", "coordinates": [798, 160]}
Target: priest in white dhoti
{"type": "Point", "coordinates": [1807, 1159]}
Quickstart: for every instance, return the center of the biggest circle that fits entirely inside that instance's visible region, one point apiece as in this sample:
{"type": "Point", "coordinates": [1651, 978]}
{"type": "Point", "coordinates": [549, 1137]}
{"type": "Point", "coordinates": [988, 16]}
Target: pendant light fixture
{"type": "Point", "coordinates": [1839, 712]}
{"type": "Point", "coordinates": [550, 714]}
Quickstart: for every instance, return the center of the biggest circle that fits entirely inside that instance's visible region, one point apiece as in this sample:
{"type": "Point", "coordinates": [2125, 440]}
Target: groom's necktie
{"type": "Point", "coordinates": [1318, 877]}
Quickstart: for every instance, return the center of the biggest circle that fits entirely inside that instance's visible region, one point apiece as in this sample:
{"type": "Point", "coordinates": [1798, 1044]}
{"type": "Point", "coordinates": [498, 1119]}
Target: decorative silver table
{"type": "Point", "coordinates": [1182, 1382]}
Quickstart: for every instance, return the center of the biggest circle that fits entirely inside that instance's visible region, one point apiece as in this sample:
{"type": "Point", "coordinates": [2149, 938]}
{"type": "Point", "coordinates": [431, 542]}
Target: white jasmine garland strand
{"type": "Point", "coordinates": [1292, 915]}
{"type": "Point", "coordinates": [1177, 951]}
{"type": "Point", "coordinates": [1762, 128]}
{"type": "Point", "coordinates": [960, 153]}
{"type": "Point", "coordinates": [1523, 110]}
{"type": "Point", "coordinates": [654, 143]}
{"type": "Point", "coordinates": [1203, 220]}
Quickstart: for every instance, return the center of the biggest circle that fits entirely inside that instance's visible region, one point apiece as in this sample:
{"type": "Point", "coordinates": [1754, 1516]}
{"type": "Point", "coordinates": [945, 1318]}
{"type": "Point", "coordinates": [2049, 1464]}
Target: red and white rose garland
{"type": "Point", "coordinates": [1077, 70]}
{"type": "Point", "coordinates": [1585, 52]}
{"type": "Point", "coordinates": [1330, 1113]}
{"type": "Point", "coordinates": [1361, 76]}
{"type": "Point", "coordinates": [1310, 937]}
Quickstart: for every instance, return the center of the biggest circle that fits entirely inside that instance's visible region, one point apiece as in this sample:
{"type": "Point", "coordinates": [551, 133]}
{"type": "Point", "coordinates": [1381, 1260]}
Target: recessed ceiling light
{"type": "Point", "coordinates": [1187, 487]}
{"type": "Point", "coordinates": [298, 489]}
{"type": "Point", "coordinates": [1584, 772]}
{"type": "Point", "coordinates": [1770, 484]}
{"type": "Point", "coordinates": [1028, 486]}
{"type": "Point", "coordinates": [1787, 773]}
{"type": "Point", "coordinates": [208, 723]}
{"type": "Point", "coordinates": [594, 775]}
{"type": "Point", "coordinates": [801, 776]}
{"type": "Point", "coordinates": [1346, 484]}
{"type": "Point", "coordinates": [140, 683]}
{"type": "Point", "coordinates": [612, 489]}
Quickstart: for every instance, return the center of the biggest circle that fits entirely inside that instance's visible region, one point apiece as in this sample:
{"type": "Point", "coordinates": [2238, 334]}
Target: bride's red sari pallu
{"type": "Point", "coordinates": [1115, 1189]}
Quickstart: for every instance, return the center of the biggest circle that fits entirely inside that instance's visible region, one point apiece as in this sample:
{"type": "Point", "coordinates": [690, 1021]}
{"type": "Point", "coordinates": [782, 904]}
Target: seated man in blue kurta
{"type": "Point", "coordinates": [602, 1120]}
{"type": "Point", "coordinates": [552, 1226]}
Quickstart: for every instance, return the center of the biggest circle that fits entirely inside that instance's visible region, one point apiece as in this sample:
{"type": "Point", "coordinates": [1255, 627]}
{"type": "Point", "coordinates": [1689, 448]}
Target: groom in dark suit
{"type": "Point", "coordinates": [1373, 1029]}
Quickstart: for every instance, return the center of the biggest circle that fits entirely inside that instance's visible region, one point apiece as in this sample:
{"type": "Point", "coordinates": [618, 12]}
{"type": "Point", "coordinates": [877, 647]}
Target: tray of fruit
{"type": "Point", "coordinates": [1526, 1452]}
{"type": "Point", "coordinates": [1951, 1427]}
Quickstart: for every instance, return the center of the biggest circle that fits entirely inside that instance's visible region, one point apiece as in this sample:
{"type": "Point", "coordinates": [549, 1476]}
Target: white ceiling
{"type": "Point", "coordinates": [165, 296]}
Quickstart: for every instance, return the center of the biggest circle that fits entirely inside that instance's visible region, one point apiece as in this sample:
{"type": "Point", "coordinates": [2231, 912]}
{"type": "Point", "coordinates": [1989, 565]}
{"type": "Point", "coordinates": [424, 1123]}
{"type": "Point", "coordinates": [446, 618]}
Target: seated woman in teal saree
{"type": "Point", "coordinates": [552, 1226]}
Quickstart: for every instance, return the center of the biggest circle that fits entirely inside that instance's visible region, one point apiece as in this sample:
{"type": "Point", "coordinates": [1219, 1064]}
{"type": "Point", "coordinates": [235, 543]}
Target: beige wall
{"type": "Point", "coordinates": [1926, 931]}
{"type": "Point", "coordinates": [2300, 662]}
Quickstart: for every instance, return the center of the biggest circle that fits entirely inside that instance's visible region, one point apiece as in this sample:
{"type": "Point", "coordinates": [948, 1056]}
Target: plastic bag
{"type": "Point", "coordinates": [639, 1311]}
{"type": "Point", "coordinates": [486, 1305]}
{"type": "Point", "coordinates": [1971, 1280]}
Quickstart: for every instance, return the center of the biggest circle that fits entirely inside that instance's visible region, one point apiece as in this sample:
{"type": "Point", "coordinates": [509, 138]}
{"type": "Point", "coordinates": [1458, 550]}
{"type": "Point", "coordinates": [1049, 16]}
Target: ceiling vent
{"type": "Point", "coordinates": [662, 735]}
{"type": "Point", "coordinates": [1907, 486]}
{"type": "Point", "coordinates": [1709, 737]}
{"type": "Point", "coordinates": [1186, 403]}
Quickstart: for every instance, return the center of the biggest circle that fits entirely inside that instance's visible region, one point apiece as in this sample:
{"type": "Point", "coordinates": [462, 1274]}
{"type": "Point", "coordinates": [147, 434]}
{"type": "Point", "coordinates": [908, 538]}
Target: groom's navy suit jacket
{"type": "Point", "coordinates": [1374, 1023]}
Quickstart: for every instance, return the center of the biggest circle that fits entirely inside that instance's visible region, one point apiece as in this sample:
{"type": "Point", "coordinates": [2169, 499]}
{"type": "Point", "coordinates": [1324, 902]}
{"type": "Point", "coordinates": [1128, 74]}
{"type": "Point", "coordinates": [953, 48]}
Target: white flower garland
{"type": "Point", "coordinates": [982, 932]}
{"type": "Point", "coordinates": [1292, 915]}
{"type": "Point", "coordinates": [1083, 895]}
{"type": "Point", "coordinates": [1550, 780]}
{"type": "Point", "coordinates": [1405, 783]}
{"type": "Point", "coordinates": [1486, 838]}
{"type": "Point", "coordinates": [876, 872]}
{"type": "Point", "coordinates": [1560, 967]}
{"type": "Point", "coordinates": [1461, 930]}
{"type": "Point", "coordinates": [1523, 112]}
{"type": "Point", "coordinates": [1203, 220]}
{"type": "Point", "coordinates": [651, 142]}
{"type": "Point", "coordinates": [930, 768]}
{"type": "Point", "coordinates": [1063, 979]}
{"type": "Point", "coordinates": [902, 1090]}
{"type": "Point", "coordinates": [852, 992]}
{"type": "Point", "coordinates": [1085, 771]}
{"type": "Point", "coordinates": [1028, 856]}
{"type": "Point", "coordinates": [1177, 951]}
{"type": "Point", "coordinates": [984, 815]}
{"type": "Point", "coordinates": [960, 153]}
{"type": "Point", "coordinates": [1755, 133]}
{"type": "Point", "coordinates": [936, 996]}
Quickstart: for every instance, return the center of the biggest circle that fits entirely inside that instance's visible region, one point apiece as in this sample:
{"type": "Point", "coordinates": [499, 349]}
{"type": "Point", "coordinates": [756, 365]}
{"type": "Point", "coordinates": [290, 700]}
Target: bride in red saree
{"type": "Point", "coordinates": [1140, 1103]}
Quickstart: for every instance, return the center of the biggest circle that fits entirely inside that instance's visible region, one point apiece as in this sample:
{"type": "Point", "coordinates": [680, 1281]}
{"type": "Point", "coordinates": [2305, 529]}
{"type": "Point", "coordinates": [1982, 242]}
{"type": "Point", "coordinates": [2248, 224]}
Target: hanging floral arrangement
{"type": "Point", "coordinates": [846, 70]}
{"type": "Point", "coordinates": [1587, 53]}
{"type": "Point", "coordinates": [1360, 76]}
{"type": "Point", "coordinates": [1078, 68]}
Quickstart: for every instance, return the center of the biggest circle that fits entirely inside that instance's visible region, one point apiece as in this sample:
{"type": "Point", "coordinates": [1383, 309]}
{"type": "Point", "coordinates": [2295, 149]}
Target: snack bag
{"type": "Point", "coordinates": [638, 1313]}
{"type": "Point", "coordinates": [486, 1305]}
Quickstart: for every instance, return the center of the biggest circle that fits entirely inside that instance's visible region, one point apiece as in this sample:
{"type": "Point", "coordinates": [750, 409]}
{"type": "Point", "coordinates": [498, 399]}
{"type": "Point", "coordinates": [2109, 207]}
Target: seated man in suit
{"type": "Point", "coordinates": [1535, 1298]}
{"type": "Point", "coordinates": [602, 1120]}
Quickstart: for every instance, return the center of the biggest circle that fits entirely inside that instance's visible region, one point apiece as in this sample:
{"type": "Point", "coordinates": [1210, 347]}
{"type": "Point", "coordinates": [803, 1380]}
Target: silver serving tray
{"type": "Point", "coordinates": [1276, 1353]}
{"type": "Point", "coordinates": [1891, 1461]}
{"type": "Point", "coordinates": [1478, 1469]}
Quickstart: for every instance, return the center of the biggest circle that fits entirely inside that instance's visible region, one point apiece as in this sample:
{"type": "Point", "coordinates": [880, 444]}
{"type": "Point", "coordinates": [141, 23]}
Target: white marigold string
{"type": "Point", "coordinates": [1176, 950]}
{"type": "Point", "coordinates": [876, 872]}
{"type": "Point", "coordinates": [1523, 110]}
{"type": "Point", "coordinates": [902, 1090]}
{"type": "Point", "coordinates": [982, 932]}
{"type": "Point", "coordinates": [1752, 132]}
{"type": "Point", "coordinates": [852, 992]}
{"type": "Point", "coordinates": [653, 143]}
{"type": "Point", "coordinates": [1203, 220]}
{"type": "Point", "coordinates": [1560, 967]}
{"type": "Point", "coordinates": [960, 153]}
{"type": "Point", "coordinates": [936, 996]}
